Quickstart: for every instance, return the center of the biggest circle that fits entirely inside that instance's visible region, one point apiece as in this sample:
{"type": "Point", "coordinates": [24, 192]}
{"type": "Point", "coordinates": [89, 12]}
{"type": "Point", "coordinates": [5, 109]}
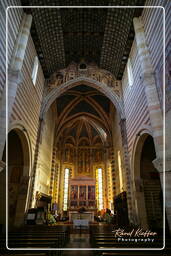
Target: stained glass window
{"type": "Point", "coordinates": [130, 74]}
{"type": "Point", "coordinates": [66, 179]}
{"type": "Point", "coordinates": [120, 172]}
{"type": "Point", "coordinates": [100, 188]}
{"type": "Point", "coordinates": [35, 70]}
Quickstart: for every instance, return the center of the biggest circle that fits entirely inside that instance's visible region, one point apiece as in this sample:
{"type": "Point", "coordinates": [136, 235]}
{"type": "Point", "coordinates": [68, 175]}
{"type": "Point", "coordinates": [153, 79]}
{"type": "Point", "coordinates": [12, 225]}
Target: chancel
{"type": "Point", "coordinates": [85, 118]}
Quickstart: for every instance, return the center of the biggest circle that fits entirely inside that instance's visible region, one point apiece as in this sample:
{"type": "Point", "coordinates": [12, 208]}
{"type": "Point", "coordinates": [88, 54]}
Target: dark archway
{"type": "Point", "coordinates": [151, 185]}
{"type": "Point", "coordinates": [18, 177]}
{"type": "Point", "coordinates": [3, 194]}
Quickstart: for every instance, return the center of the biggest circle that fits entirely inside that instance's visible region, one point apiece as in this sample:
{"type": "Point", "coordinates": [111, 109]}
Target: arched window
{"type": "Point", "coordinates": [99, 177]}
{"type": "Point", "coordinates": [66, 179]}
{"type": "Point", "coordinates": [120, 171]}
{"type": "Point", "coordinates": [83, 66]}
{"type": "Point", "coordinates": [130, 74]}
{"type": "Point", "coordinates": [35, 70]}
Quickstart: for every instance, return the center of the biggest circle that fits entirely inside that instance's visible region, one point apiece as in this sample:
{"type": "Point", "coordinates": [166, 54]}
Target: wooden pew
{"type": "Point", "coordinates": [38, 237]}
{"type": "Point", "coordinates": [61, 236]}
{"type": "Point", "coordinates": [108, 240]}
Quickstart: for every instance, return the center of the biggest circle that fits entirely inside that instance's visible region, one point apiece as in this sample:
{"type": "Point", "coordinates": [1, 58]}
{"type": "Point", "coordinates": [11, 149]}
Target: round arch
{"type": "Point", "coordinates": [23, 133]}
{"type": "Point", "coordinates": [103, 88]}
{"type": "Point", "coordinates": [140, 167]}
{"type": "Point", "coordinates": [138, 140]}
{"type": "Point", "coordinates": [18, 133]}
{"type": "Point", "coordinates": [138, 143]}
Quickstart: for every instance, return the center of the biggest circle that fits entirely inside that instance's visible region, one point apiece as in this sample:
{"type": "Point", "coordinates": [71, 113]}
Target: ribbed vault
{"type": "Point", "coordinates": [82, 120]}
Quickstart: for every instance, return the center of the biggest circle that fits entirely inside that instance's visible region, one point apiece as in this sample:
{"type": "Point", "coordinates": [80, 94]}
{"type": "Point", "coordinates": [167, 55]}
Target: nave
{"type": "Point", "coordinates": [85, 155]}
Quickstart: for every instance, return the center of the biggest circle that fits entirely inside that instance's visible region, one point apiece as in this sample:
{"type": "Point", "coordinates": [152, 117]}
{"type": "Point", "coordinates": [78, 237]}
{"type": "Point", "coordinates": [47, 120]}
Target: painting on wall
{"type": "Point", "coordinates": [91, 192]}
{"type": "Point", "coordinates": [82, 194]}
{"type": "Point", "coordinates": [74, 192]}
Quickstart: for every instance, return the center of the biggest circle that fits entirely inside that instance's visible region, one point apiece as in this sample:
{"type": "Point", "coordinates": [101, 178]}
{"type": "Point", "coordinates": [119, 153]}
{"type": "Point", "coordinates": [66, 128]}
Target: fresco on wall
{"type": "Point", "coordinates": [84, 162]}
{"type": "Point", "coordinates": [92, 71]}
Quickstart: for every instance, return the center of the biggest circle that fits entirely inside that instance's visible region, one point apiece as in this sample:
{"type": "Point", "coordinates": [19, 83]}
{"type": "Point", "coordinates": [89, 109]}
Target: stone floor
{"type": "Point", "coordinates": [78, 241]}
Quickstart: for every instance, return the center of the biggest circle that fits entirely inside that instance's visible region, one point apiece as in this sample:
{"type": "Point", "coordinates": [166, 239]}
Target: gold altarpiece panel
{"type": "Point", "coordinates": [82, 193]}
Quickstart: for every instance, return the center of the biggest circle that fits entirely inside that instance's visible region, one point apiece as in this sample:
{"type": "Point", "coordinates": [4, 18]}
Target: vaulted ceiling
{"type": "Point", "coordinates": [101, 35]}
{"type": "Point", "coordinates": [83, 115]}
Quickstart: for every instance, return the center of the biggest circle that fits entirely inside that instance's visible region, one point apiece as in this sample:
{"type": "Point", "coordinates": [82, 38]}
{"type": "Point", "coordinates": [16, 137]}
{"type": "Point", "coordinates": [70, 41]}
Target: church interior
{"type": "Point", "coordinates": [85, 119]}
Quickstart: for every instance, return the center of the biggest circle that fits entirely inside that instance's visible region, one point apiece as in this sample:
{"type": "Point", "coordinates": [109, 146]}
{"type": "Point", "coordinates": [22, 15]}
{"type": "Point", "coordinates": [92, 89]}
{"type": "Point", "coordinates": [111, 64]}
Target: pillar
{"type": "Point", "coordinates": [158, 163]}
{"type": "Point", "coordinates": [53, 170]}
{"type": "Point", "coordinates": [122, 124]}
{"type": "Point", "coordinates": [150, 87]}
{"type": "Point", "coordinates": [14, 76]}
{"type": "Point", "coordinates": [155, 113]}
{"type": "Point", "coordinates": [32, 192]}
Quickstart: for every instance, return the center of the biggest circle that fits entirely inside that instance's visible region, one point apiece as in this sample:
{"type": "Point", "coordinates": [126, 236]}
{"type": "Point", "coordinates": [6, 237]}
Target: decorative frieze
{"type": "Point", "coordinates": [92, 71]}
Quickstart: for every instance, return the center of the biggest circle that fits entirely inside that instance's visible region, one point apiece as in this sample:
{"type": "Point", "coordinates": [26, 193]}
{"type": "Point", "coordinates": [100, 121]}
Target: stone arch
{"type": "Point", "coordinates": [138, 181]}
{"type": "Point", "coordinates": [103, 88]}
{"type": "Point", "coordinates": [141, 216]}
{"type": "Point", "coordinates": [18, 133]}
{"type": "Point", "coordinates": [24, 134]}
{"type": "Point", "coordinates": [141, 132]}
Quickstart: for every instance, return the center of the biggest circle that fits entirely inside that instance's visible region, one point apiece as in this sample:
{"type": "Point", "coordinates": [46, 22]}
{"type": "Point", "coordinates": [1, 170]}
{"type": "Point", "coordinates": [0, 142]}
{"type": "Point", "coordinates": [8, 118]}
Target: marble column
{"type": "Point", "coordinates": [14, 77]}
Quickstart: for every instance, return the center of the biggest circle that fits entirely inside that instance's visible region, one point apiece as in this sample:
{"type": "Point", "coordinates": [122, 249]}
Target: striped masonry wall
{"type": "Point", "coordinates": [26, 108]}
{"type": "Point", "coordinates": [155, 40]}
{"type": "Point", "coordinates": [153, 28]}
{"type": "Point", "coordinates": [13, 28]}
{"type": "Point", "coordinates": [135, 103]}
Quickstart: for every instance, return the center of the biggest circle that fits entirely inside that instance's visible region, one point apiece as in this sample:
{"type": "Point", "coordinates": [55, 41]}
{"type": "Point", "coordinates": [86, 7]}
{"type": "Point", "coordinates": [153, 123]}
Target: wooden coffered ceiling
{"type": "Point", "coordinates": [102, 35]}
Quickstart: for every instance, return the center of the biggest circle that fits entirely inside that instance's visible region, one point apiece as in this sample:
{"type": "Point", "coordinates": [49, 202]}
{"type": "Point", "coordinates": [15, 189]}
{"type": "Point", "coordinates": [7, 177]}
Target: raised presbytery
{"type": "Point", "coordinates": [85, 119]}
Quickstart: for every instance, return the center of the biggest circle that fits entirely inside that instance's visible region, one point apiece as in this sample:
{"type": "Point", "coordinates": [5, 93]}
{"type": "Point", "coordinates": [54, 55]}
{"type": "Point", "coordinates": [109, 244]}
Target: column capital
{"type": "Point", "coordinates": [158, 164]}
{"type": "Point", "coordinates": [168, 163]}
{"type": "Point", "coordinates": [15, 76]}
{"type": "Point", "coordinates": [148, 74]}
{"type": "Point", "coordinates": [137, 23]}
{"type": "Point", "coordinates": [122, 120]}
{"type": "Point", "coordinates": [2, 165]}
{"type": "Point", "coordinates": [17, 59]}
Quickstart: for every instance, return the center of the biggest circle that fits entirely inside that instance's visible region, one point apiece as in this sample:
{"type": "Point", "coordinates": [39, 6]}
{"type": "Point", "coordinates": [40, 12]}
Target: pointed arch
{"type": "Point", "coordinates": [103, 88]}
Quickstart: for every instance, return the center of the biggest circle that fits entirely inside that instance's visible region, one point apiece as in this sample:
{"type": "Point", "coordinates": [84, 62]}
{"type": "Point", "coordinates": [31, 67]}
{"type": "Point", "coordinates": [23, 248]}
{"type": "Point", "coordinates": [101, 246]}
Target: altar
{"type": "Point", "coordinates": [74, 215]}
{"type": "Point", "coordinates": [81, 223]}
{"type": "Point", "coordinates": [82, 198]}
